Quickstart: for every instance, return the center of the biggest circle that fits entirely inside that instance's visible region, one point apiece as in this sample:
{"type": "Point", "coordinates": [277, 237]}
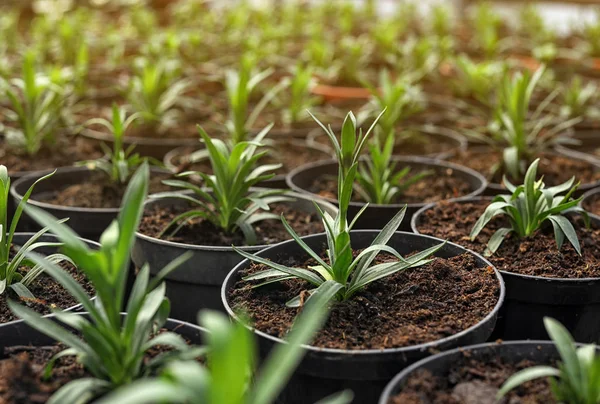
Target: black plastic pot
{"type": "Point", "coordinates": [87, 222]}
{"type": "Point", "coordinates": [197, 283]}
{"type": "Point", "coordinates": [325, 371]}
{"type": "Point", "coordinates": [21, 238]}
{"type": "Point", "coordinates": [573, 302]}
{"type": "Point", "coordinates": [377, 216]}
{"type": "Point", "coordinates": [539, 352]}
{"type": "Point", "coordinates": [434, 134]}
{"type": "Point", "coordinates": [277, 182]}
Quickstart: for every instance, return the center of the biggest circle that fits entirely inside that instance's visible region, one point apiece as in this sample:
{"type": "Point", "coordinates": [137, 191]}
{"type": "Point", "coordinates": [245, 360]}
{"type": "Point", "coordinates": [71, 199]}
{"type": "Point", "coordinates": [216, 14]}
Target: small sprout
{"type": "Point", "coordinates": [528, 207]}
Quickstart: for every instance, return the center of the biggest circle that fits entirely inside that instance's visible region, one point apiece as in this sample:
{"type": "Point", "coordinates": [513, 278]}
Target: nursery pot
{"type": "Point", "coordinates": [21, 238]}
{"type": "Point", "coordinates": [196, 284]}
{"type": "Point", "coordinates": [588, 147]}
{"type": "Point", "coordinates": [324, 371]}
{"type": "Point", "coordinates": [539, 352]}
{"type": "Point", "coordinates": [87, 222]}
{"type": "Point", "coordinates": [575, 302]}
{"type": "Point", "coordinates": [377, 216]}
{"type": "Point", "coordinates": [434, 134]}
{"type": "Point", "coordinates": [277, 182]}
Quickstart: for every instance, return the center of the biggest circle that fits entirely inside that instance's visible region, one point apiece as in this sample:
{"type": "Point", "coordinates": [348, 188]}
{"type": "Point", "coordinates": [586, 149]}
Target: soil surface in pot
{"type": "Point", "coordinates": [537, 255]}
{"type": "Point", "coordinates": [473, 381]}
{"type": "Point", "coordinates": [97, 193]}
{"type": "Point", "coordinates": [202, 232]}
{"type": "Point", "coordinates": [413, 307]}
{"type": "Point", "coordinates": [440, 185]}
{"type": "Point", "coordinates": [22, 372]}
{"type": "Point", "coordinates": [66, 152]}
{"type": "Point", "coordinates": [48, 293]}
{"type": "Point", "coordinates": [289, 155]}
{"type": "Point", "coordinates": [555, 169]}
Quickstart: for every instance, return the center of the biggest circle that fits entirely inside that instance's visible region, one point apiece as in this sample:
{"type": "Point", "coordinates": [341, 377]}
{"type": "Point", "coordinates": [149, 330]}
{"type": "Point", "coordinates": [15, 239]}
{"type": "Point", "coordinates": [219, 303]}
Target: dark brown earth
{"type": "Point", "coordinates": [473, 381]}
{"type": "Point", "coordinates": [441, 185]}
{"type": "Point", "coordinates": [48, 293]}
{"type": "Point", "coordinates": [98, 192]}
{"type": "Point", "coordinates": [416, 306]}
{"type": "Point", "coordinates": [201, 232]}
{"type": "Point", "coordinates": [555, 169]}
{"type": "Point", "coordinates": [537, 255]}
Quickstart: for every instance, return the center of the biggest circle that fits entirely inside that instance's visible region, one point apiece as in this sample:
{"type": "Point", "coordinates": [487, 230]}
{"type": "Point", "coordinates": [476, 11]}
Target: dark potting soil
{"type": "Point", "coordinates": [22, 371]}
{"type": "Point", "coordinates": [67, 151]}
{"type": "Point", "coordinates": [201, 232]}
{"type": "Point", "coordinates": [408, 308]}
{"type": "Point", "coordinates": [289, 155]}
{"type": "Point", "coordinates": [555, 169]}
{"type": "Point", "coordinates": [473, 381]}
{"type": "Point", "coordinates": [441, 185]}
{"type": "Point", "coordinates": [537, 255]}
{"type": "Point", "coordinates": [592, 204]}
{"type": "Point", "coordinates": [48, 293]}
{"type": "Point", "coordinates": [98, 192]}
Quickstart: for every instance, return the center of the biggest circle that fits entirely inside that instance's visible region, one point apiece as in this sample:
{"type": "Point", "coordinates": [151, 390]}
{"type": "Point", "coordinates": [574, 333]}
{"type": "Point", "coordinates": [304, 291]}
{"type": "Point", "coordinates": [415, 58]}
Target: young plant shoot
{"type": "Point", "coordinates": [577, 378]}
{"type": "Point", "coordinates": [119, 164]}
{"type": "Point", "coordinates": [231, 360]}
{"type": "Point", "coordinates": [10, 278]}
{"type": "Point", "coordinates": [528, 207]}
{"type": "Point", "coordinates": [349, 274]}
{"type": "Point", "coordinates": [228, 203]}
{"type": "Point", "coordinates": [109, 345]}
{"type": "Point", "coordinates": [35, 108]}
{"type": "Point", "coordinates": [300, 99]}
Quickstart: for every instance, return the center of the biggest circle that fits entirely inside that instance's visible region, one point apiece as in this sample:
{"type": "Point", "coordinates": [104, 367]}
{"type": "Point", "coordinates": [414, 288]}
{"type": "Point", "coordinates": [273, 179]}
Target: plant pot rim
{"type": "Point", "coordinates": [414, 226]}
{"type": "Point", "coordinates": [390, 387]}
{"type": "Point", "coordinates": [195, 247]}
{"type": "Point", "coordinates": [362, 352]}
{"type": "Point", "coordinates": [592, 192]}
{"type": "Point", "coordinates": [61, 208]}
{"type": "Point", "coordinates": [404, 159]}
{"type": "Point", "coordinates": [73, 308]}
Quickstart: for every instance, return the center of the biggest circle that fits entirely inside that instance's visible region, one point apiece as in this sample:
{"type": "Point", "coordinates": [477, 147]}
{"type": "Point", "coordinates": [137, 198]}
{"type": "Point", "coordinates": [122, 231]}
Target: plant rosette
{"type": "Point", "coordinates": [474, 374]}
{"type": "Point", "coordinates": [448, 182]}
{"type": "Point", "coordinates": [26, 353]}
{"type": "Point", "coordinates": [540, 279]}
{"type": "Point", "coordinates": [394, 322]}
{"type": "Point", "coordinates": [290, 153]}
{"type": "Point", "coordinates": [84, 196]}
{"type": "Point", "coordinates": [425, 141]}
{"type": "Point", "coordinates": [48, 295]}
{"type": "Point", "coordinates": [190, 287]}
{"type": "Point", "coordinates": [556, 166]}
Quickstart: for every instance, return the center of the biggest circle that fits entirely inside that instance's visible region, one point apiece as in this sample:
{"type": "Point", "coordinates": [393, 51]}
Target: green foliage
{"type": "Point", "coordinates": [578, 99]}
{"type": "Point", "coordinates": [525, 134]}
{"type": "Point", "coordinates": [119, 164]}
{"type": "Point", "coordinates": [299, 92]}
{"type": "Point", "coordinates": [9, 277]}
{"type": "Point", "coordinates": [477, 79]}
{"type": "Point", "coordinates": [110, 346]}
{"type": "Point", "coordinates": [228, 203]}
{"type": "Point", "coordinates": [154, 92]}
{"type": "Point", "coordinates": [533, 27]}
{"type": "Point", "coordinates": [577, 379]}
{"type": "Point", "coordinates": [231, 358]}
{"type": "Point", "coordinates": [441, 20]}
{"type": "Point", "coordinates": [528, 207]}
{"type": "Point", "coordinates": [342, 272]}
{"type": "Point", "coordinates": [486, 24]}
{"type": "Point", "coordinates": [35, 108]}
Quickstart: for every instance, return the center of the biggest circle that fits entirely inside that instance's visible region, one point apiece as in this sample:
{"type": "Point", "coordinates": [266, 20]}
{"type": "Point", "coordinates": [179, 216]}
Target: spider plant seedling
{"type": "Point", "coordinates": [591, 37]}
{"type": "Point", "coordinates": [578, 100]}
{"type": "Point", "coordinates": [524, 134]}
{"type": "Point", "coordinates": [35, 106]}
{"type": "Point", "coordinates": [155, 93]}
{"type": "Point", "coordinates": [353, 56]}
{"type": "Point", "coordinates": [533, 27]}
{"type": "Point", "coordinates": [486, 25]}
{"type": "Point", "coordinates": [240, 85]}
{"type": "Point", "coordinates": [230, 363]}
{"type": "Point", "coordinates": [577, 378]}
{"type": "Point", "coordinates": [529, 206]}
{"type": "Point", "coordinates": [109, 345]}
{"type": "Point", "coordinates": [342, 271]}
{"type": "Point", "coordinates": [477, 80]}
{"type": "Point", "coordinates": [299, 97]}
{"type": "Point", "coordinates": [227, 201]}
{"type": "Point", "coordinates": [441, 21]}
{"type": "Point", "coordinates": [10, 278]}
{"type": "Point", "coordinates": [119, 163]}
